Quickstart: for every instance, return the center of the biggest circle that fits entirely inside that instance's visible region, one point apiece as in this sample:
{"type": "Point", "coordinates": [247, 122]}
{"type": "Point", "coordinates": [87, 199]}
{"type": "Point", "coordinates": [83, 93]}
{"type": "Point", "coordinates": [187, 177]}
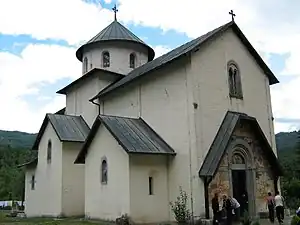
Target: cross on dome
{"type": "Point", "coordinates": [115, 11]}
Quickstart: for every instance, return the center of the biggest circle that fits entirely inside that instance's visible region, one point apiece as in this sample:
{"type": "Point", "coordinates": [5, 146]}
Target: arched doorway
{"type": "Point", "coordinates": [242, 178]}
{"type": "Point", "coordinates": [239, 180]}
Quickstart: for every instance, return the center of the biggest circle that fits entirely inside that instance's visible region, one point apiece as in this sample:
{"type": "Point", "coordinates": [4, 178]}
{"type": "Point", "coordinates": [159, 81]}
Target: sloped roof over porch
{"type": "Point", "coordinates": [133, 134]}
{"type": "Point", "coordinates": [30, 164]}
{"type": "Point", "coordinates": [222, 139]}
{"type": "Point", "coordinates": [68, 128]}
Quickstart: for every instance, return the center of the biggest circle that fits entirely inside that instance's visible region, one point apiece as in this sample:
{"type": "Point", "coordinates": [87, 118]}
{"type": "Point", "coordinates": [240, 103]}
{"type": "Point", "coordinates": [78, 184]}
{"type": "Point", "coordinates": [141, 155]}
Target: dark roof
{"type": "Point", "coordinates": [185, 49]}
{"type": "Point", "coordinates": [115, 32]}
{"type": "Point", "coordinates": [93, 72]}
{"type": "Point", "coordinates": [61, 111]}
{"type": "Point", "coordinates": [222, 139]}
{"type": "Point", "coordinates": [31, 163]}
{"type": "Point", "coordinates": [68, 128]}
{"type": "Point", "coordinates": [134, 135]}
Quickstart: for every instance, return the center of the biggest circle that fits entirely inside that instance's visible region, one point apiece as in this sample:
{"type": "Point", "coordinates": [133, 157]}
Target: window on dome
{"type": "Point", "coordinates": [85, 65]}
{"type": "Point", "coordinates": [132, 60]}
{"type": "Point", "coordinates": [105, 59]}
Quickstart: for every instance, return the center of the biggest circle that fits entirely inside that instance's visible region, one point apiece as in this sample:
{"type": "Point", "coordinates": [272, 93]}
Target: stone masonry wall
{"type": "Point", "coordinates": [263, 175]}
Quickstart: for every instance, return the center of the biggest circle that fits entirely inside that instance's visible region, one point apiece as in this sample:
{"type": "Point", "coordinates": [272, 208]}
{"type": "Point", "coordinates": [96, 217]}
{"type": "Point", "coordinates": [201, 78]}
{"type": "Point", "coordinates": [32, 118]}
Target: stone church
{"type": "Point", "coordinates": [136, 129]}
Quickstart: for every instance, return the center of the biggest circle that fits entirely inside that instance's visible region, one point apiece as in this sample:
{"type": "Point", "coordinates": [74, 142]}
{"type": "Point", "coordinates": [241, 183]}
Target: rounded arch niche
{"type": "Point", "coordinates": [240, 153]}
{"type": "Point", "coordinates": [242, 173]}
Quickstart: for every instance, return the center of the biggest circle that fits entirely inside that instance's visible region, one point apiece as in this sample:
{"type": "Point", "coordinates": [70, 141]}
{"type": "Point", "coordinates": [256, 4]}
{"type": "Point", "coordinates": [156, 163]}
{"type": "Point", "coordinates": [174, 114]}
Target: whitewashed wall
{"type": "Point", "coordinates": [146, 208]}
{"type": "Point", "coordinates": [72, 181]}
{"type": "Point", "coordinates": [48, 179]}
{"type": "Point", "coordinates": [77, 100]}
{"type": "Point", "coordinates": [119, 56]}
{"type": "Point", "coordinates": [111, 200]}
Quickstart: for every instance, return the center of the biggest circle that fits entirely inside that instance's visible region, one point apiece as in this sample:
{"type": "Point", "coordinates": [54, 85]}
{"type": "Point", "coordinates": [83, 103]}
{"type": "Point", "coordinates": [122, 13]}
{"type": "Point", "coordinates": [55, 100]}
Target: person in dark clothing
{"type": "Point", "coordinates": [271, 207]}
{"type": "Point", "coordinates": [228, 208]}
{"type": "Point", "coordinates": [216, 208]}
{"type": "Point", "coordinates": [244, 203]}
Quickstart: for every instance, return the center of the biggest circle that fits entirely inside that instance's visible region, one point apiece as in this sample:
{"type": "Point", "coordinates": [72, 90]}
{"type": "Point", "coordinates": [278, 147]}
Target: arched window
{"type": "Point", "coordinates": [237, 158]}
{"type": "Point", "coordinates": [104, 171]}
{"type": "Point", "coordinates": [132, 60]}
{"type": "Point", "coordinates": [235, 85]}
{"type": "Point", "coordinates": [32, 182]}
{"type": "Point", "coordinates": [49, 151]}
{"type": "Point", "coordinates": [105, 59]}
{"type": "Point", "coordinates": [85, 65]}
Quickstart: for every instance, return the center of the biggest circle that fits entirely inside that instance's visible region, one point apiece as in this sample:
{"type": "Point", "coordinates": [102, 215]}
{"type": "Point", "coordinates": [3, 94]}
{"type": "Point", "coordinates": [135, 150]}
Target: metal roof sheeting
{"type": "Point", "coordinates": [68, 128]}
{"type": "Point", "coordinates": [133, 134]}
{"type": "Point", "coordinates": [115, 32]}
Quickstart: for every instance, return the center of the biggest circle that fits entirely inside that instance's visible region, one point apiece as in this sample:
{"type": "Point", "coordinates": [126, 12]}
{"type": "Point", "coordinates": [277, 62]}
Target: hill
{"type": "Point", "coordinates": [16, 139]}
{"type": "Point", "coordinates": [285, 141]}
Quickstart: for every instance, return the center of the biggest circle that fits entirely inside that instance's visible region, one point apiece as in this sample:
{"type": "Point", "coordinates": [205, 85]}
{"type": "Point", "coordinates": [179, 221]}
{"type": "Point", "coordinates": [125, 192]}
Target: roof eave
{"type": "Point", "coordinates": [30, 163]}
{"type": "Point", "coordinates": [103, 92]}
{"type": "Point", "coordinates": [81, 49]}
{"type": "Point", "coordinates": [87, 75]}
{"type": "Point", "coordinates": [39, 136]}
{"type": "Point", "coordinates": [80, 159]}
{"type": "Point", "coordinates": [151, 153]}
{"type": "Point", "coordinates": [254, 53]}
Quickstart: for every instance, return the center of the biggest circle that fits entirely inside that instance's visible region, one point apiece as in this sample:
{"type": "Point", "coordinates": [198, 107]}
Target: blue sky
{"type": "Point", "coordinates": [40, 53]}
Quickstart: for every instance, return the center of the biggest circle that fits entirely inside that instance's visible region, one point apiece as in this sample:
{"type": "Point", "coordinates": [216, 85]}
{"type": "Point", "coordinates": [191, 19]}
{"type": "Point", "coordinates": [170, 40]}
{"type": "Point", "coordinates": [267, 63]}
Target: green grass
{"type": "Point", "coordinates": [47, 221]}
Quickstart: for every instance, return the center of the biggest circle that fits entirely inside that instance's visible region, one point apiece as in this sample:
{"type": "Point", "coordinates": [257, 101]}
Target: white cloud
{"type": "Point", "coordinates": [70, 20]}
{"type": "Point", "coordinates": [271, 26]}
{"type": "Point", "coordinates": [19, 75]}
{"type": "Point", "coordinates": [160, 50]}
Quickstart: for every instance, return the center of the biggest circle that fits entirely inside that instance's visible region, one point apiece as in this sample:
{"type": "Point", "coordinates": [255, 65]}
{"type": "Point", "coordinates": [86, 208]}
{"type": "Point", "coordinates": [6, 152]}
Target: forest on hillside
{"type": "Point", "coordinates": [15, 150]}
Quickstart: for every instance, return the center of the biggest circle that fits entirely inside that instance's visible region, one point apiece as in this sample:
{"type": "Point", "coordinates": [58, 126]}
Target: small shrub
{"type": "Point", "coordinates": [256, 222]}
{"type": "Point", "coordinates": [246, 220]}
{"type": "Point", "coordinates": [123, 220]}
{"type": "Point", "coordinates": [295, 220]}
{"type": "Point", "coordinates": [180, 208]}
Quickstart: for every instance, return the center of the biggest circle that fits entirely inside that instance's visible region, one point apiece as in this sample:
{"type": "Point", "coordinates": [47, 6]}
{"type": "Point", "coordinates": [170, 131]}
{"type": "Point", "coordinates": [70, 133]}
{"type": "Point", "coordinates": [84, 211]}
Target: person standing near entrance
{"type": "Point", "coordinates": [236, 208]}
{"type": "Point", "coordinates": [216, 209]}
{"type": "Point", "coordinates": [279, 207]}
{"type": "Point", "coordinates": [271, 207]}
{"type": "Point", "coordinates": [228, 207]}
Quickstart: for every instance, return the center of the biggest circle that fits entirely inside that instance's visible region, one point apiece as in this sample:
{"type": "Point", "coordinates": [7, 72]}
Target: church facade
{"type": "Point", "coordinates": [135, 129]}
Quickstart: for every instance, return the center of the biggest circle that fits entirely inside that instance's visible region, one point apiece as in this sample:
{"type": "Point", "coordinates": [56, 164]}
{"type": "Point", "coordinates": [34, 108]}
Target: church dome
{"type": "Point", "coordinates": [114, 32]}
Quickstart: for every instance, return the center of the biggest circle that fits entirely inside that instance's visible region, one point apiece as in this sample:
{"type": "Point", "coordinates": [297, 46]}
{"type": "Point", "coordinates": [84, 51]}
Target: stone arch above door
{"type": "Point", "coordinates": [242, 148]}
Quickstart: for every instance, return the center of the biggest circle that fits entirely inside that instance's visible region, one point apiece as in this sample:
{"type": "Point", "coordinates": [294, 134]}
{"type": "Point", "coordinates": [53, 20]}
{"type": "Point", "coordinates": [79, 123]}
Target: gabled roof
{"type": "Point", "coordinates": [115, 32]}
{"type": "Point", "coordinates": [222, 139]}
{"type": "Point", "coordinates": [90, 74]}
{"type": "Point", "coordinates": [184, 50]}
{"type": "Point", "coordinates": [61, 111]}
{"type": "Point", "coordinates": [134, 135]}
{"type": "Point", "coordinates": [31, 163]}
{"type": "Point", "coordinates": [68, 128]}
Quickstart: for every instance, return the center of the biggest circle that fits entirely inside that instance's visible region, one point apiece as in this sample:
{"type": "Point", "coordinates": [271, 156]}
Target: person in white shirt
{"type": "Point", "coordinates": [236, 208]}
{"type": "Point", "coordinates": [279, 207]}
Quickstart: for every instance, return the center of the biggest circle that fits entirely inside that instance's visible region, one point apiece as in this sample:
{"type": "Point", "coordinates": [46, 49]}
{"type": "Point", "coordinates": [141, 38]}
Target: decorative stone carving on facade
{"type": "Point", "coordinates": [262, 173]}
{"type": "Point", "coordinates": [220, 184]}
